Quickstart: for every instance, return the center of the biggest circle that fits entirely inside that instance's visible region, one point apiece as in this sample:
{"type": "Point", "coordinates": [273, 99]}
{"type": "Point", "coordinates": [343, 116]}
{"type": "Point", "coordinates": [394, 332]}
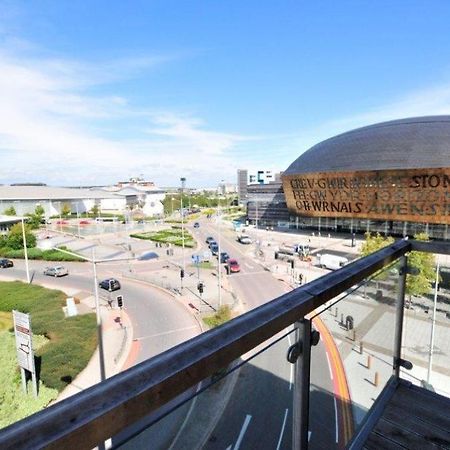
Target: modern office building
{"type": "Point", "coordinates": [391, 177]}
{"type": "Point", "coordinates": [247, 178]}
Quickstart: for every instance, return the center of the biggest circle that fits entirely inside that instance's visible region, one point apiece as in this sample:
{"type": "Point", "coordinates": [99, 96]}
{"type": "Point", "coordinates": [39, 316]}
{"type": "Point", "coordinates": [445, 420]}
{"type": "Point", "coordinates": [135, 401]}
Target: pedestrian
{"type": "Point", "coordinates": [110, 302]}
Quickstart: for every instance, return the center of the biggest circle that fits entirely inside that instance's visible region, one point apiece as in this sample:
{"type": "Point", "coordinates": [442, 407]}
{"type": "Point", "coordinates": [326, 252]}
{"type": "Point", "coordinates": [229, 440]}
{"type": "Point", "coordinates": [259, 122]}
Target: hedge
{"type": "Point", "coordinates": [38, 254]}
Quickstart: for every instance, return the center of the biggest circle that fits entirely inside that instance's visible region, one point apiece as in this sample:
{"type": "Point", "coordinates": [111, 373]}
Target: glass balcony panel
{"type": "Point", "coordinates": [248, 405]}
{"type": "Point", "coordinates": [353, 361]}
{"type": "Point", "coordinates": [426, 325]}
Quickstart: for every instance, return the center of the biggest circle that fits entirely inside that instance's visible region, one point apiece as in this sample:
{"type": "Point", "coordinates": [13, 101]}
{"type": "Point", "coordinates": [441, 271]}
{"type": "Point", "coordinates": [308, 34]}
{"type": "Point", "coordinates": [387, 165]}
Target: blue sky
{"type": "Point", "coordinates": [92, 92]}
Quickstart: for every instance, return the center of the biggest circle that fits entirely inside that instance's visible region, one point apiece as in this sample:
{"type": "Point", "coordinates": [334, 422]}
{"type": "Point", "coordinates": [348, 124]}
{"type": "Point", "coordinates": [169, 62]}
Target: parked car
{"type": "Point", "coordinates": [233, 266]}
{"type": "Point", "coordinates": [196, 225]}
{"type": "Point", "coordinates": [210, 239]}
{"type": "Point", "coordinates": [147, 256]}
{"type": "Point", "coordinates": [224, 257]}
{"type": "Point", "coordinates": [110, 284]}
{"type": "Point", "coordinates": [56, 271]}
{"type": "Point", "coordinates": [244, 239]}
{"type": "Point", "coordinates": [5, 263]}
{"type": "Point", "coordinates": [332, 262]}
{"type": "Point", "coordinates": [214, 248]}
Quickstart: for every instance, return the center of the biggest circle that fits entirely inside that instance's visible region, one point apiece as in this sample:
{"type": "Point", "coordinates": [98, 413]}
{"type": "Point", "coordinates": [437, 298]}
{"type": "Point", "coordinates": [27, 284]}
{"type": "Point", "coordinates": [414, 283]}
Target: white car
{"type": "Point", "coordinates": [57, 271]}
{"type": "Point", "coordinates": [244, 239]}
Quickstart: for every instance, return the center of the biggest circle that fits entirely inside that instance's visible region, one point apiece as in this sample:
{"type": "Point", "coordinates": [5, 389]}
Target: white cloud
{"type": "Point", "coordinates": [47, 119]}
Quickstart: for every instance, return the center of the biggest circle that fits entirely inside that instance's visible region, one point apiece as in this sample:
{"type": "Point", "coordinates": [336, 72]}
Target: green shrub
{"type": "Point", "coordinates": [38, 254]}
{"type": "Point", "coordinates": [221, 316]}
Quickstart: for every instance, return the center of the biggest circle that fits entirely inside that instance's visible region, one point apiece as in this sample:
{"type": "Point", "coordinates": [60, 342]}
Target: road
{"type": "Point", "coordinates": [159, 322]}
{"type": "Point", "coordinates": [262, 398]}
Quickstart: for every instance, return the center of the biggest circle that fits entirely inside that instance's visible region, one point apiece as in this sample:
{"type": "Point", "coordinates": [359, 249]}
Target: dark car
{"type": "Point", "coordinates": [110, 284]}
{"type": "Point", "coordinates": [214, 248]}
{"type": "Point", "coordinates": [224, 257]}
{"type": "Point", "coordinates": [196, 225]}
{"type": "Point", "coordinates": [4, 263]}
{"type": "Point", "coordinates": [210, 239]}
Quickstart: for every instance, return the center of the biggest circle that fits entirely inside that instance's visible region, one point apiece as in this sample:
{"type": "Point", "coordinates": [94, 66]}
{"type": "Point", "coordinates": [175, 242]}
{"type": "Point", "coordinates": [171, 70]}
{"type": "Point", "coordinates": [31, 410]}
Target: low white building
{"type": "Point", "coordinates": [24, 199]}
{"type": "Point", "coordinates": [6, 222]}
{"type": "Point", "coordinates": [147, 199]}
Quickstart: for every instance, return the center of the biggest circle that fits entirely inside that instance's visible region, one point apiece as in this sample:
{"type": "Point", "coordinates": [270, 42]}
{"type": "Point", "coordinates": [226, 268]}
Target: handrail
{"type": "Point", "coordinates": [102, 411]}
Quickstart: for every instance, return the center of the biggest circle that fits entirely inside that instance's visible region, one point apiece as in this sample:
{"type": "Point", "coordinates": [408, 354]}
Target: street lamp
{"type": "Point", "coordinates": [25, 252]}
{"type": "Point", "coordinates": [172, 206]}
{"type": "Point", "coordinates": [183, 184]}
{"type": "Point", "coordinates": [219, 278]}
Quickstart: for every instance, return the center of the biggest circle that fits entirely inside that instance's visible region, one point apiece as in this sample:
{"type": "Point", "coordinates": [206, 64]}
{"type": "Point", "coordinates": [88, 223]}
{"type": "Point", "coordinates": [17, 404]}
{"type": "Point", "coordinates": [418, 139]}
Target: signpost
{"type": "Point", "coordinates": [24, 348]}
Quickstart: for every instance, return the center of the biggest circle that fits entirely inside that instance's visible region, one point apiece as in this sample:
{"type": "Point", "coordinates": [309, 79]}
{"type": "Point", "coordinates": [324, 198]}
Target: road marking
{"type": "Point", "coordinates": [248, 417]}
{"type": "Point", "coordinates": [166, 332]}
{"type": "Point", "coordinates": [291, 377]}
{"type": "Point", "coordinates": [336, 419]}
{"type": "Point", "coordinates": [248, 265]}
{"type": "Point", "coordinates": [309, 435]}
{"type": "Point", "coordinates": [329, 365]}
{"type": "Point", "coordinates": [282, 429]}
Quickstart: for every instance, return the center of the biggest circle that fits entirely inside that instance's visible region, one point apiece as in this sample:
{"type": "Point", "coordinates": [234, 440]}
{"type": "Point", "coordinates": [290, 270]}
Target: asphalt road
{"type": "Point", "coordinates": [159, 323]}
{"type": "Point", "coordinates": [259, 412]}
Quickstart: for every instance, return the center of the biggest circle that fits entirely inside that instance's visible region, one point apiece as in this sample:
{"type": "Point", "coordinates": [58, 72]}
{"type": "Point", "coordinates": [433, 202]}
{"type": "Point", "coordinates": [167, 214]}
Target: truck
{"type": "Point", "coordinates": [332, 262]}
{"type": "Point", "coordinates": [303, 250]}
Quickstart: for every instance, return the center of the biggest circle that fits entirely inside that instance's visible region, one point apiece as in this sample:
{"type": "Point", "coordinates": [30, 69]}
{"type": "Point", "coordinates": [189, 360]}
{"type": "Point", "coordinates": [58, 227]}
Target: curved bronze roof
{"type": "Point", "coordinates": [414, 143]}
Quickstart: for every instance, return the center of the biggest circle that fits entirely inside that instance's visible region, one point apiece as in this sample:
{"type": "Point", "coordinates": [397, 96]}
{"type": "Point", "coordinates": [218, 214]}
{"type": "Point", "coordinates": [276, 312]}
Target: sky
{"type": "Point", "coordinates": [93, 92]}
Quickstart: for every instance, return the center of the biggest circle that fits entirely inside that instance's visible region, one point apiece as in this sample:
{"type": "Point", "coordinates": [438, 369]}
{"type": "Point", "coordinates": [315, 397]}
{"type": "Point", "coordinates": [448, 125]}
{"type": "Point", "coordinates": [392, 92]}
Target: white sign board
{"type": "Point", "coordinates": [24, 346]}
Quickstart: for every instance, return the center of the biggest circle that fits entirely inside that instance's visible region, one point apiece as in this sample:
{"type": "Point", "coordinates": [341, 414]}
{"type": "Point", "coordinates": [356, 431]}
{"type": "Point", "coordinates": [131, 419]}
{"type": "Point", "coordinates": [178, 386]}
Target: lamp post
{"type": "Point", "coordinates": [172, 207]}
{"type": "Point", "coordinates": [433, 323]}
{"type": "Point", "coordinates": [219, 272]}
{"type": "Point", "coordinates": [25, 252]}
{"type": "Point", "coordinates": [183, 184]}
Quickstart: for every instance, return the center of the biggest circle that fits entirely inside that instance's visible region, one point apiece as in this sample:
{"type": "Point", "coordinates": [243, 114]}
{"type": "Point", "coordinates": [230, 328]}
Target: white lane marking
{"type": "Point", "coordinates": [329, 366]}
{"type": "Point", "coordinates": [167, 332]}
{"type": "Point", "coordinates": [282, 429]}
{"type": "Point", "coordinates": [191, 409]}
{"type": "Point", "coordinates": [291, 377]}
{"type": "Point", "coordinates": [248, 417]}
{"type": "Point", "coordinates": [248, 265]}
{"type": "Point", "coordinates": [336, 420]}
{"type": "Point", "coordinates": [229, 447]}
{"type": "Point", "coordinates": [309, 435]}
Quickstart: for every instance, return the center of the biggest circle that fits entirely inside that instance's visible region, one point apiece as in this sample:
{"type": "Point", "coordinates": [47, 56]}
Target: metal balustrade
{"type": "Point", "coordinates": [141, 395]}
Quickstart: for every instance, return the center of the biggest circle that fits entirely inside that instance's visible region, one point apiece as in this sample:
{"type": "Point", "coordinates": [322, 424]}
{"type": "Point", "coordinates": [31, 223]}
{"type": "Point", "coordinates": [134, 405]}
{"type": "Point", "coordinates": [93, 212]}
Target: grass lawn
{"type": "Point", "coordinates": [221, 316]}
{"type": "Point", "coordinates": [168, 236]}
{"type": "Point", "coordinates": [71, 341]}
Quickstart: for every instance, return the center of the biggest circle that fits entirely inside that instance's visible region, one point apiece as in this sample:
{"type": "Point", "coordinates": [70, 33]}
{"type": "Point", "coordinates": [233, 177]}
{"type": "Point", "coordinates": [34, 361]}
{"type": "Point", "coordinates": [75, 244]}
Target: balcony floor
{"type": "Point", "coordinates": [414, 418]}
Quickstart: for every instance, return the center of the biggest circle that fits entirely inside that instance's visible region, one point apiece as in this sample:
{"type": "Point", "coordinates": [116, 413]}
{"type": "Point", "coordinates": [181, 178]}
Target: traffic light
{"type": "Point", "coordinates": [182, 273]}
{"type": "Point", "coordinates": [120, 301]}
{"type": "Point", "coordinates": [200, 287]}
{"type": "Point", "coordinates": [292, 263]}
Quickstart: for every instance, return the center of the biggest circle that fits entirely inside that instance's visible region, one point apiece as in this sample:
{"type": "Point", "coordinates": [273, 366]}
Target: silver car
{"type": "Point", "coordinates": [57, 271]}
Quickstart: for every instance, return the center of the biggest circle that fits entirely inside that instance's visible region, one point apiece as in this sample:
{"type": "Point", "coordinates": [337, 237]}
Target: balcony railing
{"type": "Point", "coordinates": [327, 396]}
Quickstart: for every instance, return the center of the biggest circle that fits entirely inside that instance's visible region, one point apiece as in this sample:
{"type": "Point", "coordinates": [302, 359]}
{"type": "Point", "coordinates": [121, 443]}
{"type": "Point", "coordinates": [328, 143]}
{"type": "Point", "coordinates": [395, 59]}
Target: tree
{"type": "Point", "coordinates": [11, 211]}
{"type": "Point", "coordinates": [95, 210]}
{"type": "Point", "coordinates": [425, 264]}
{"type": "Point", "coordinates": [66, 210]}
{"type": "Point", "coordinates": [372, 244]}
{"type": "Point", "coordinates": [35, 219]}
{"type": "Point", "coordinates": [14, 237]}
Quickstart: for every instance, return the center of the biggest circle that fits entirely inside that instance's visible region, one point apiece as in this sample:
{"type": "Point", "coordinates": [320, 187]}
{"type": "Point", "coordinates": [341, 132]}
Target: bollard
{"type": "Point", "coordinates": [369, 361]}
{"type": "Point", "coordinates": [360, 347]}
{"type": "Point", "coordinates": [353, 338]}
{"type": "Point", "coordinates": [336, 312]}
{"type": "Point", "coordinates": [376, 379]}
{"type": "Point", "coordinates": [342, 319]}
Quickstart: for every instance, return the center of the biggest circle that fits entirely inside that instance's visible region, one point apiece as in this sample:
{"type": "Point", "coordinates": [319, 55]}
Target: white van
{"type": "Point", "coordinates": [332, 262]}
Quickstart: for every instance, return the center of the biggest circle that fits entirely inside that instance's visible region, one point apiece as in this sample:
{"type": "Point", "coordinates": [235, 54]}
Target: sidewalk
{"type": "Point", "coordinates": [117, 339]}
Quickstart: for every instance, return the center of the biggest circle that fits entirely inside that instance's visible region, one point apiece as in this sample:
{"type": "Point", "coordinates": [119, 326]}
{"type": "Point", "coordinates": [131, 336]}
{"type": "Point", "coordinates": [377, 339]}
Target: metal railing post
{"type": "Point", "coordinates": [399, 315]}
{"type": "Point", "coordinates": [300, 408]}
